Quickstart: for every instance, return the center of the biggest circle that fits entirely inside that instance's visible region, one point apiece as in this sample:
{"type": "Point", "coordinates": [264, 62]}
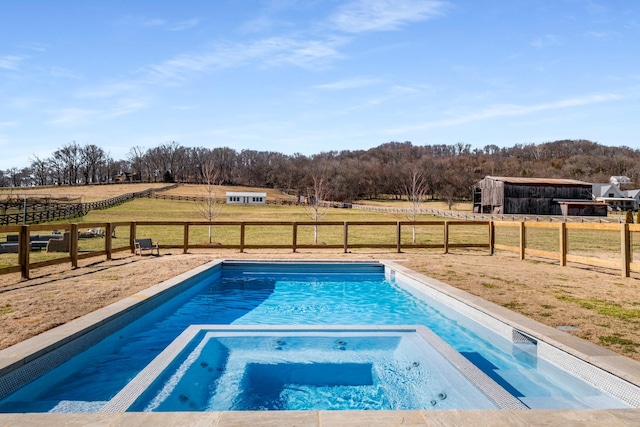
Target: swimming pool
{"type": "Point", "coordinates": [244, 293]}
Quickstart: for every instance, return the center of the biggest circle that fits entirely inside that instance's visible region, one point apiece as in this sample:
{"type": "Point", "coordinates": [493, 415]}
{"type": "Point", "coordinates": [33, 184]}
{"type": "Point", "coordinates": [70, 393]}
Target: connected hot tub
{"type": "Point", "coordinates": [224, 368]}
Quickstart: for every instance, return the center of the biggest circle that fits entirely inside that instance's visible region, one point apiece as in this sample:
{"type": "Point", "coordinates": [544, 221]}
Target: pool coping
{"type": "Point", "coordinates": [29, 350]}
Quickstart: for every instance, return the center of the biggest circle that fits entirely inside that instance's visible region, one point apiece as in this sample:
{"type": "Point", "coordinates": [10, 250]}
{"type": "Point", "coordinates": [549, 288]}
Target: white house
{"type": "Point", "coordinates": [246, 198]}
{"type": "Point", "coordinates": [613, 196]}
{"type": "Point", "coordinates": [617, 180]}
{"type": "Point", "coordinates": [635, 195]}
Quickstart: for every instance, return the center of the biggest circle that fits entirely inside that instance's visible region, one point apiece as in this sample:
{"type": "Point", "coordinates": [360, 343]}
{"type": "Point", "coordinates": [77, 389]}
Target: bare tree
{"type": "Point", "coordinates": [92, 158]}
{"type": "Point", "coordinates": [136, 157]}
{"type": "Point", "coordinates": [68, 157]}
{"type": "Point", "coordinates": [315, 205]}
{"type": "Point", "coordinates": [40, 171]}
{"type": "Point", "coordinates": [209, 208]}
{"type": "Point", "coordinates": [416, 189]}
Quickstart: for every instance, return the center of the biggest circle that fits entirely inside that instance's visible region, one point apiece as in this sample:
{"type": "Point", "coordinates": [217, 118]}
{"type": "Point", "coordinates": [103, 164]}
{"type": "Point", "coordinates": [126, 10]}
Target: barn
{"type": "Point", "coordinates": [246, 198]}
{"type": "Point", "coordinates": [535, 196]}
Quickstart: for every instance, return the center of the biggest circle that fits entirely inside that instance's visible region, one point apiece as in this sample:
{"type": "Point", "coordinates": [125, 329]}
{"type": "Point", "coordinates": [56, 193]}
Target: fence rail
{"type": "Point", "coordinates": [468, 216]}
{"type": "Point", "coordinates": [514, 236]}
{"type": "Point", "coordinates": [62, 211]}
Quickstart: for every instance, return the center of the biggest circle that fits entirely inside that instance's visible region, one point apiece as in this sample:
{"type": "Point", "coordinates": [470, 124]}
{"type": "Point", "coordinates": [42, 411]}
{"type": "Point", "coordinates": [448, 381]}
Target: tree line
{"type": "Point", "coordinates": [446, 171]}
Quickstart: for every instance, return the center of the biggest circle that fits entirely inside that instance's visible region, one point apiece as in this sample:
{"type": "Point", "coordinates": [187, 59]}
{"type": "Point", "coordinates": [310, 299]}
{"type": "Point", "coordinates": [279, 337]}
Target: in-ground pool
{"type": "Point", "coordinates": [126, 370]}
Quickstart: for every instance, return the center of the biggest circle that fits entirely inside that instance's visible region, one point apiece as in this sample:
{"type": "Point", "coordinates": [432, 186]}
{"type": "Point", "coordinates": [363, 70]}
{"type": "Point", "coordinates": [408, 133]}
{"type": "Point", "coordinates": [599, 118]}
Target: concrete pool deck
{"type": "Point", "coordinates": [476, 418]}
{"type": "Point", "coordinates": [620, 366]}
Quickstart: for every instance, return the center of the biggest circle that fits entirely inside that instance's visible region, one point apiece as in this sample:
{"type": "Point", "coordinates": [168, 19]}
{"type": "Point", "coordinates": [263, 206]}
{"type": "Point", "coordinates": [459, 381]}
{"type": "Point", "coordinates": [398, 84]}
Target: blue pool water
{"type": "Point", "coordinates": [320, 295]}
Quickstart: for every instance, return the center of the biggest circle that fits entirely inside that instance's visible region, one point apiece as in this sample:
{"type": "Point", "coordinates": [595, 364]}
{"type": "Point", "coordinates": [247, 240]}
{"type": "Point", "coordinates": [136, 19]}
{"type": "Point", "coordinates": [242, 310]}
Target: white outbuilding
{"type": "Point", "coordinates": [246, 198]}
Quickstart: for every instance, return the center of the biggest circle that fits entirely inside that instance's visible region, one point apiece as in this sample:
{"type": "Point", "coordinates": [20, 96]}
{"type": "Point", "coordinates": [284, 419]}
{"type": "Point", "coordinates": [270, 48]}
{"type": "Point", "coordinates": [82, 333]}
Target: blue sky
{"type": "Point", "coordinates": [306, 76]}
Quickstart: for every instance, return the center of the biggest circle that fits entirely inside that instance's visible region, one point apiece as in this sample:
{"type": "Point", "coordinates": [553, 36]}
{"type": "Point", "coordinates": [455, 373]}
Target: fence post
{"type": "Point", "coordinates": [399, 238]}
{"type": "Point", "coordinates": [24, 246]}
{"type": "Point", "coordinates": [563, 244]}
{"type": "Point", "coordinates": [625, 250]}
{"type": "Point", "coordinates": [346, 237]}
{"type": "Point", "coordinates": [446, 237]}
{"type": "Point", "coordinates": [242, 237]}
{"type": "Point", "coordinates": [492, 237]}
{"type": "Point", "coordinates": [73, 245]}
{"type": "Point", "coordinates": [185, 242]}
{"type": "Point", "coordinates": [108, 244]}
{"type": "Point", "coordinates": [523, 238]}
{"type": "Point", "coordinates": [295, 237]}
{"type": "Point", "coordinates": [132, 237]}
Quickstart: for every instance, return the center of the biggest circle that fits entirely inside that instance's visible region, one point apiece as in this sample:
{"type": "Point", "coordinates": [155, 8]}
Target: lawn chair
{"type": "Point", "coordinates": [146, 245]}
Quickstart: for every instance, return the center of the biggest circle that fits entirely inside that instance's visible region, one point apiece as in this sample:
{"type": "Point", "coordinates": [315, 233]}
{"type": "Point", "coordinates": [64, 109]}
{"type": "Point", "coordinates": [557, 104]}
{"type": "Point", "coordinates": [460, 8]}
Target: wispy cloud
{"type": "Point", "coordinates": [60, 72]}
{"type": "Point", "coordinates": [68, 116]}
{"type": "Point", "coordinates": [183, 25]}
{"type": "Point", "coordinates": [38, 47]}
{"type": "Point", "coordinates": [124, 107]}
{"type": "Point", "coordinates": [275, 51]}
{"type": "Point", "coordinates": [158, 23]}
{"type": "Point", "coordinates": [260, 24]}
{"type": "Point", "coordinates": [108, 90]}
{"type": "Point", "coordinates": [150, 23]}
{"type": "Point", "coordinates": [511, 110]}
{"type": "Point", "coordinates": [84, 116]}
{"type": "Point", "coordinates": [602, 35]}
{"type": "Point", "coordinates": [354, 83]}
{"type": "Point", "coordinates": [11, 62]}
{"type": "Point", "coordinates": [384, 15]}
{"type": "Point", "coordinates": [545, 41]}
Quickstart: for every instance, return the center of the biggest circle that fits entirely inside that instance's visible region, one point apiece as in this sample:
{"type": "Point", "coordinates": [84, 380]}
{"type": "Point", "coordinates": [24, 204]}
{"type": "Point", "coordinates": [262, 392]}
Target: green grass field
{"type": "Point", "coordinates": [596, 243]}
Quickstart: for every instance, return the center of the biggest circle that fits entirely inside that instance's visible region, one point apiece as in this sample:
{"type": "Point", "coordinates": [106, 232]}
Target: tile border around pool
{"type": "Point", "coordinates": [606, 370]}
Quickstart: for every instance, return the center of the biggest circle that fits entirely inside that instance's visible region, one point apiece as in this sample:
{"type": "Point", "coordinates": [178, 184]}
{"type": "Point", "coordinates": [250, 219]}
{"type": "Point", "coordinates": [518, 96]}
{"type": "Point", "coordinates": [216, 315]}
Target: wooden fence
{"type": "Point", "coordinates": [61, 211]}
{"type": "Point", "coordinates": [489, 235]}
{"type": "Point", "coordinates": [470, 216]}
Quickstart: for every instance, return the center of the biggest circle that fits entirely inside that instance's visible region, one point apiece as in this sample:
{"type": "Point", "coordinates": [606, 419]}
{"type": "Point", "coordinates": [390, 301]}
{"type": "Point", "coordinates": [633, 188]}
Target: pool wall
{"type": "Point", "coordinates": [602, 368]}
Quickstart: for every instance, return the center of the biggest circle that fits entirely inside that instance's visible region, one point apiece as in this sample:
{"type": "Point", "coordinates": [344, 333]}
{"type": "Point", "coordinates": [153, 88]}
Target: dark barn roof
{"type": "Point", "coordinates": [538, 181]}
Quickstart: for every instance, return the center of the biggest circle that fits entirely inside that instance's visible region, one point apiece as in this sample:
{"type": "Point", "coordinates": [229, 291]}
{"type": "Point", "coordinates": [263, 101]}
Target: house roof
{"type": "Point", "coordinates": [632, 193]}
{"type": "Point", "coordinates": [245, 194]}
{"type": "Point", "coordinates": [536, 181]}
{"type": "Point", "coordinates": [603, 190]}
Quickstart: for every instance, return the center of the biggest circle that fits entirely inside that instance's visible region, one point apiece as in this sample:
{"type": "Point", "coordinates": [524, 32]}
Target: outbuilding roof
{"type": "Point", "coordinates": [536, 181]}
{"type": "Point", "coordinates": [245, 194]}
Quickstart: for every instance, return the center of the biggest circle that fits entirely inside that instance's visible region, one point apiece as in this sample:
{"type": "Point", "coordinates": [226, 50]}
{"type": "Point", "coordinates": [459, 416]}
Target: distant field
{"type": "Point", "coordinates": [88, 193]}
{"type": "Point", "coordinates": [434, 204]}
{"type": "Point", "coordinates": [200, 190]}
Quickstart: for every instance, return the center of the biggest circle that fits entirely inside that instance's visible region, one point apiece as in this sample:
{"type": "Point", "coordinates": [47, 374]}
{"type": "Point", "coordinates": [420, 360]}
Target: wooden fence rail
{"type": "Point", "coordinates": [62, 211]}
{"type": "Point", "coordinates": [352, 235]}
{"type": "Point", "coordinates": [469, 216]}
